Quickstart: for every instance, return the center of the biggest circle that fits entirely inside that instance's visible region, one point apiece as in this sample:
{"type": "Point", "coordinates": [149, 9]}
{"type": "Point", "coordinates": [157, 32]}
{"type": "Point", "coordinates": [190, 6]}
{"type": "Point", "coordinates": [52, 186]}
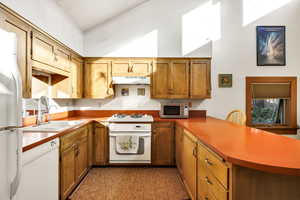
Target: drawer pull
{"type": "Point", "coordinates": [206, 198]}
{"type": "Point", "coordinates": [208, 162]}
{"type": "Point", "coordinates": [208, 181]}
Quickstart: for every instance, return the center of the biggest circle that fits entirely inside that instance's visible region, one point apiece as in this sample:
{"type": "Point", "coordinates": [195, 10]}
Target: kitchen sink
{"type": "Point", "coordinates": [52, 126]}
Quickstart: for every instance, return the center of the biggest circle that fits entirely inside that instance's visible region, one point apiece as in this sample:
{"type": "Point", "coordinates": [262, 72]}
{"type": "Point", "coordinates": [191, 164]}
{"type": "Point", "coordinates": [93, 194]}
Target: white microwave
{"type": "Point", "coordinates": [174, 110]}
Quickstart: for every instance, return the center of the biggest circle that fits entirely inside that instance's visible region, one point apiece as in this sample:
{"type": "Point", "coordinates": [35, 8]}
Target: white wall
{"type": "Point", "coordinates": [47, 15]}
{"type": "Point", "coordinates": [233, 46]}
{"type": "Point", "coordinates": [151, 29]}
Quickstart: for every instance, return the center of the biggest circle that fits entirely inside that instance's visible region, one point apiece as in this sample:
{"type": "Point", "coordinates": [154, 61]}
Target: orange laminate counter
{"type": "Point", "coordinates": [247, 147]}
{"type": "Point", "coordinates": [239, 145]}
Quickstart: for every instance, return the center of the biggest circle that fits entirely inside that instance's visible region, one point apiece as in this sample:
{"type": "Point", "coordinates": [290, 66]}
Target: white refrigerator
{"type": "Point", "coordinates": [10, 117]}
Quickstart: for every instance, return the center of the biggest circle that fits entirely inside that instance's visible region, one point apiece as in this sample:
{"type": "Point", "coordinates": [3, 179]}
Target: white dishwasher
{"type": "Point", "coordinates": [40, 173]}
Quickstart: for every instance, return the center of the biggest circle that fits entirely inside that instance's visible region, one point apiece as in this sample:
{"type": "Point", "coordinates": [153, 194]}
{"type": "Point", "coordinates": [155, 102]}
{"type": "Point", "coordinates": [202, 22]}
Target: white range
{"type": "Point", "coordinates": [130, 138]}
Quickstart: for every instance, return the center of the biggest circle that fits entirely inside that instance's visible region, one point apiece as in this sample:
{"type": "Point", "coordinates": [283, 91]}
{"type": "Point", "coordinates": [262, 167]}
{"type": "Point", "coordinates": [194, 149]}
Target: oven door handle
{"type": "Point", "coordinates": [139, 135]}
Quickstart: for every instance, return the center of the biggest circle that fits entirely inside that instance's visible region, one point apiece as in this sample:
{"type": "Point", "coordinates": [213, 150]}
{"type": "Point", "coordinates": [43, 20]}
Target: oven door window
{"type": "Point", "coordinates": [171, 110]}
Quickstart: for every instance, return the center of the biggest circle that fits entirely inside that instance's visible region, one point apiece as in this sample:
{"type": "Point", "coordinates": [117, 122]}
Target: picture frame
{"type": "Point", "coordinates": [271, 45]}
{"type": "Point", "coordinates": [225, 80]}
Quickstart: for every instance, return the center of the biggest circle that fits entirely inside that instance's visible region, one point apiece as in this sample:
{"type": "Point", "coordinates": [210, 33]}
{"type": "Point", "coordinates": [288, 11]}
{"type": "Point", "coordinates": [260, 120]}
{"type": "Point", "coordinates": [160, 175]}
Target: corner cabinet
{"type": "Point", "coordinates": [100, 139]}
{"type": "Point", "coordinates": [181, 78]}
{"type": "Point", "coordinates": [189, 163]}
{"type": "Point", "coordinates": [76, 68]}
{"type": "Point", "coordinates": [98, 79]}
{"type": "Point", "coordinates": [200, 79]}
{"type": "Point", "coordinates": [73, 160]}
{"type": "Point", "coordinates": [163, 144]}
{"type": "Point", "coordinates": [179, 147]}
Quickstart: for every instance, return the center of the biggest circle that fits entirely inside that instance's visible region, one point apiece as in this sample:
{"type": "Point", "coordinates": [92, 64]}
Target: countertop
{"type": "Point", "coordinates": [239, 145]}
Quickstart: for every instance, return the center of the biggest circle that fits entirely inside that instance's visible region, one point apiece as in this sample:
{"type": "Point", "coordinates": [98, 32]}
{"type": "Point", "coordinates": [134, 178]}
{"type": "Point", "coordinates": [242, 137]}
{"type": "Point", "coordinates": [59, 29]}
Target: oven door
{"type": "Point", "coordinates": [143, 154]}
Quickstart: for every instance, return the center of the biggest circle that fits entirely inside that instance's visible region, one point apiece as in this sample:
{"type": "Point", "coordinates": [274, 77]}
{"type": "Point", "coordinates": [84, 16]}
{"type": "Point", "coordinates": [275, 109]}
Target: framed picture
{"type": "Point", "coordinates": [225, 80]}
{"type": "Point", "coordinates": [270, 46]}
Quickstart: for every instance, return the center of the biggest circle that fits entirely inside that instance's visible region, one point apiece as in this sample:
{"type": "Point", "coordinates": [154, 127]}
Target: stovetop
{"type": "Point", "coordinates": [131, 118]}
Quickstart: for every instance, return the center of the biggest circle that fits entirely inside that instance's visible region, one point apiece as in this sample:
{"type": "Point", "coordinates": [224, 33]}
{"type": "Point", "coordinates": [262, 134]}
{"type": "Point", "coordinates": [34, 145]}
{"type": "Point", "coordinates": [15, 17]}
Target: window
{"type": "Point", "coordinates": [271, 103]}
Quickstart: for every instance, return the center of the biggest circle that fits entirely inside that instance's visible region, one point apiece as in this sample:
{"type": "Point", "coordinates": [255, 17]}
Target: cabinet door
{"type": "Point", "coordinates": [81, 152]}
{"type": "Point", "coordinates": [42, 49]}
{"type": "Point", "coordinates": [178, 150]}
{"type": "Point", "coordinates": [76, 77]}
{"type": "Point", "coordinates": [160, 79]}
{"type": "Point", "coordinates": [140, 67]}
{"type": "Point", "coordinates": [121, 67]}
{"type": "Point", "coordinates": [179, 80]}
{"type": "Point", "coordinates": [189, 163]}
{"type": "Point", "coordinates": [62, 58]}
{"type": "Point", "coordinates": [200, 80]}
{"type": "Point", "coordinates": [163, 144]}
{"type": "Point", "coordinates": [90, 128]}
{"type": "Point", "coordinates": [22, 31]}
{"type": "Point", "coordinates": [67, 171]}
{"type": "Point", "coordinates": [98, 80]}
{"type": "Point", "coordinates": [100, 145]}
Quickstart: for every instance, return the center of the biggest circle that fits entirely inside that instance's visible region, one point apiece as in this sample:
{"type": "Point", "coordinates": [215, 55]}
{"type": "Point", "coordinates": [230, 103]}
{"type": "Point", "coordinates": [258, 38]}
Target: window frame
{"type": "Point", "coordinates": [291, 127]}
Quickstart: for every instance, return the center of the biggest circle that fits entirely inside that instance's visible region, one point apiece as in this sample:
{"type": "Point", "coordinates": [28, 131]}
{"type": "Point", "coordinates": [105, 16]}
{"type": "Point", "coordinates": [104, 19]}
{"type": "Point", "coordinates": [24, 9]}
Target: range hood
{"type": "Point", "coordinates": [130, 80]}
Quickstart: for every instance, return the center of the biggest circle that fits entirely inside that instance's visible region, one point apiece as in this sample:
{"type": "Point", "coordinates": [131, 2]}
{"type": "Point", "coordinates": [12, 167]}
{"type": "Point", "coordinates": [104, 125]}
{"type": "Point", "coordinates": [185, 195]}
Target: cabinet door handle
{"type": "Point", "coordinates": [208, 162]}
{"type": "Point", "coordinates": [208, 181]}
{"type": "Point", "coordinates": [195, 151]}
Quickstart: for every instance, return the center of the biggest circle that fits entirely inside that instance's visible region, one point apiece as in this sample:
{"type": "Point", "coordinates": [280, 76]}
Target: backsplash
{"type": "Point", "coordinates": [134, 101]}
{"type": "Point", "coordinates": [56, 105]}
{"type": "Point", "coordinates": [131, 102]}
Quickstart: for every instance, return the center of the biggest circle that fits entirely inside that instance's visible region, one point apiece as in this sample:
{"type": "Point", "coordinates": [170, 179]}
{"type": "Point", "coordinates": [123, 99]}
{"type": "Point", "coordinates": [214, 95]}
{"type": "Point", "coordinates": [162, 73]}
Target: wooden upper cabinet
{"type": "Point", "coordinates": [131, 67]}
{"type": "Point", "coordinates": [76, 77]}
{"type": "Point", "coordinates": [200, 80]}
{"type": "Point", "coordinates": [22, 31]}
{"type": "Point", "coordinates": [160, 79]}
{"type": "Point", "coordinates": [179, 79]}
{"type": "Point", "coordinates": [98, 79]}
{"type": "Point", "coordinates": [170, 79]}
{"type": "Point", "coordinates": [42, 49]}
{"type": "Point", "coordinates": [62, 58]}
{"type": "Point", "coordinates": [163, 144]}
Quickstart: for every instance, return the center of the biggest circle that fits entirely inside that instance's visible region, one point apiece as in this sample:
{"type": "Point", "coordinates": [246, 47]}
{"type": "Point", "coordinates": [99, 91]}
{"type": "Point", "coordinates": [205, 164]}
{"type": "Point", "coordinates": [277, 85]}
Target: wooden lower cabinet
{"type": "Point", "coordinates": [163, 144]}
{"type": "Point", "coordinates": [100, 140]}
{"type": "Point", "coordinates": [67, 171]}
{"type": "Point", "coordinates": [178, 147]}
{"type": "Point", "coordinates": [82, 158]}
{"type": "Point", "coordinates": [73, 160]}
{"type": "Point", "coordinates": [189, 163]}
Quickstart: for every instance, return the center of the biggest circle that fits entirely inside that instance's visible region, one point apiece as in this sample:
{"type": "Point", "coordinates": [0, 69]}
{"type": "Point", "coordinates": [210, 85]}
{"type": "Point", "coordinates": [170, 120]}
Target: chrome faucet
{"type": "Point", "coordinates": [43, 108]}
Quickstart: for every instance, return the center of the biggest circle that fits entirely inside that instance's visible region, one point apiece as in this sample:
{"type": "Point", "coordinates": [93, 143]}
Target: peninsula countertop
{"type": "Point", "coordinates": [239, 145]}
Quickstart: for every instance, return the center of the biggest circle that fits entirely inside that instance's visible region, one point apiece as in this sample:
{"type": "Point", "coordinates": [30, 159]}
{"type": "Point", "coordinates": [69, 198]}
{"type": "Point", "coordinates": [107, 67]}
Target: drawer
{"type": "Point", "coordinates": [204, 193]}
{"type": "Point", "coordinates": [210, 185]}
{"type": "Point", "coordinates": [163, 124]}
{"type": "Point", "coordinates": [214, 164]}
{"type": "Point", "coordinates": [71, 138]}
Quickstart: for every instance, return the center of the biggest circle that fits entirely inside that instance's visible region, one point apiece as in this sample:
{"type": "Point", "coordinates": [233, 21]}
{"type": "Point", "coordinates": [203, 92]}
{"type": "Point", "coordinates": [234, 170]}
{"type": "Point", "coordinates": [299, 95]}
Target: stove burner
{"type": "Point", "coordinates": [135, 116]}
{"type": "Point", "coordinates": [119, 116]}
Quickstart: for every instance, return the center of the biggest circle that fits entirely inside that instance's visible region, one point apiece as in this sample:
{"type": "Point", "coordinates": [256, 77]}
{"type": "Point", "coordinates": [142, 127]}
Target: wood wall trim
{"type": "Point", "coordinates": [273, 79]}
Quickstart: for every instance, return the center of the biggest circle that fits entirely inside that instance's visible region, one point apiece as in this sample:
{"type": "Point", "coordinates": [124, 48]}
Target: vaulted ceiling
{"type": "Point", "coordinates": [89, 13]}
